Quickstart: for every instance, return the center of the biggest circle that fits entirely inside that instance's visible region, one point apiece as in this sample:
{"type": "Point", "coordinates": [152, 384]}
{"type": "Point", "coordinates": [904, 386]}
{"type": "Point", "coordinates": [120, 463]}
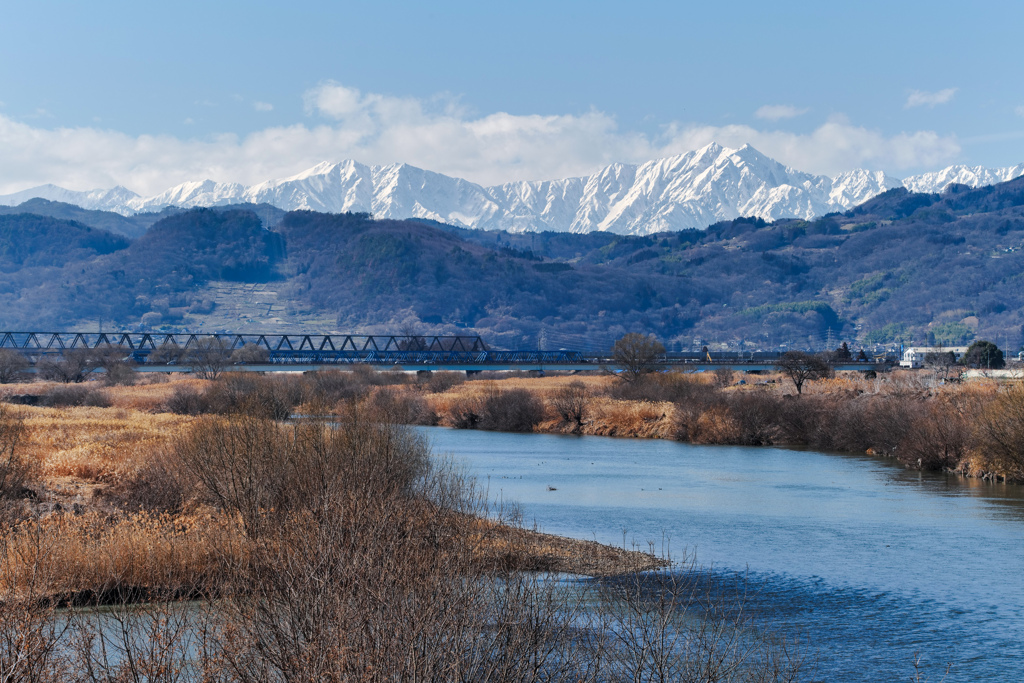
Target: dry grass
{"type": "Point", "coordinates": [149, 395]}
{"type": "Point", "coordinates": [95, 444]}
{"type": "Point", "coordinates": [508, 548]}
{"type": "Point", "coordinates": [75, 540]}
{"type": "Point", "coordinates": [82, 557]}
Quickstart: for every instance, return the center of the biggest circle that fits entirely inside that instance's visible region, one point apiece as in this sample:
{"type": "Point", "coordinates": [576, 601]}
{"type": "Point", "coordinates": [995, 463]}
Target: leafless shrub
{"type": "Point", "coordinates": [159, 641]}
{"type": "Point", "coordinates": [122, 374]}
{"type": "Point", "coordinates": [12, 366]}
{"type": "Point", "coordinates": [672, 387]}
{"type": "Point", "coordinates": [250, 354]}
{"type": "Point", "coordinates": [756, 415]}
{"type": "Point", "coordinates": [679, 626]}
{"type": "Point", "coordinates": [401, 407]}
{"type": "Point", "coordinates": [117, 364]}
{"type": "Point", "coordinates": [186, 400]}
{"type": "Point", "coordinates": [73, 365]}
{"type": "Point", "coordinates": [937, 438]}
{"type": "Point", "coordinates": [15, 470]}
{"type": "Point", "coordinates": [71, 396]}
{"type": "Point", "coordinates": [511, 410]}
{"type": "Point", "coordinates": [250, 465]}
{"type": "Point", "coordinates": [244, 392]}
{"type": "Point", "coordinates": [166, 354]}
{"type": "Point", "coordinates": [464, 412]}
{"type": "Point", "coordinates": [443, 380]}
{"type": "Point", "coordinates": [1000, 430]}
{"type": "Point", "coordinates": [723, 376]}
{"type": "Point", "coordinates": [207, 357]}
{"type": "Point", "coordinates": [330, 387]}
{"type": "Point", "coordinates": [571, 403]}
{"type": "Point", "coordinates": [236, 463]}
{"type": "Point", "coordinates": [153, 486]}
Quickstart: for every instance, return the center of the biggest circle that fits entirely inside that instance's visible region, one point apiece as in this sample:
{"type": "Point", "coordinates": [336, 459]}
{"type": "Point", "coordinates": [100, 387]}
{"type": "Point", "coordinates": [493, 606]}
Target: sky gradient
{"type": "Point", "coordinates": [148, 95]}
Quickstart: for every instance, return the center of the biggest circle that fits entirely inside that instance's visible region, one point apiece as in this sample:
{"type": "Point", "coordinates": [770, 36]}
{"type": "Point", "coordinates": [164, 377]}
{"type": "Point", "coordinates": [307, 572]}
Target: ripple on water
{"type": "Point", "coordinates": [871, 562]}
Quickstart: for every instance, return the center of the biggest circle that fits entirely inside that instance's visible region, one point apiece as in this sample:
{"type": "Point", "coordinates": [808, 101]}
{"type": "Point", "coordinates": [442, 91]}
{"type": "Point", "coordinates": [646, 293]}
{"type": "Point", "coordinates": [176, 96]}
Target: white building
{"type": "Point", "coordinates": [914, 356]}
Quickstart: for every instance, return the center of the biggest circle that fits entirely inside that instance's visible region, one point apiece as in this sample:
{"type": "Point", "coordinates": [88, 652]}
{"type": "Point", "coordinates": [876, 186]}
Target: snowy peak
{"type": "Point", "coordinates": [973, 176]}
{"type": "Point", "coordinates": [100, 200]}
{"type": "Point", "coordinates": [689, 190]}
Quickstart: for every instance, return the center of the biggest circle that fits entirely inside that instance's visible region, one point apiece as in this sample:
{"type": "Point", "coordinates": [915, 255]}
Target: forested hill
{"type": "Point", "coordinates": [902, 266]}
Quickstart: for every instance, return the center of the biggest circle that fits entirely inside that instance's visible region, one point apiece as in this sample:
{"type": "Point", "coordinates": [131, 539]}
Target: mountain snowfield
{"type": "Point", "coordinates": [691, 190]}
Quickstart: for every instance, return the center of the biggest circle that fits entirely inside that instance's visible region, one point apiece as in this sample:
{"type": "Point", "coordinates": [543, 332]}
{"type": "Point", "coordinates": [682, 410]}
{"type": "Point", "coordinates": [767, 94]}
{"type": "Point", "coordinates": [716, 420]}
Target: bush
{"type": "Point", "coordinates": [464, 413]}
{"type": "Point", "coordinates": [71, 366]}
{"type": "Point", "coordinates": [72, 396]}
{"type": "Point", "coordinates": [186, 400]}
{"type": "Point", "coordinates": [120, 374]}
{"type": "Point", "coordinates": [1000, 430]}
{"type": "Point", "coordinates": [250, 354]}
{"type": "Point", "coordinates": [15, 470]}
{"type": "Point", "coordinates": [12, 366]}
{"type": "Point", "coordinates": [153, 487]}
{"type": "Point", "coordinates": [265, 471]}
{"type": "Point", "coordinates": [244, 392]}
{"type": "Point", "coordinates": [571, 403]}
{"type": "Point", "coordinates": [443, 380]}
{"type": "Point", "coordinates": [722, 376]}
{"type": "Point", "coordinates": [511, 410]}
{"type": "Point", "coordinates": [938, 438]}
{"type": "Point", "coordinates": [670, 387]}
{"type": "Point", "coordinates": [401, 407]}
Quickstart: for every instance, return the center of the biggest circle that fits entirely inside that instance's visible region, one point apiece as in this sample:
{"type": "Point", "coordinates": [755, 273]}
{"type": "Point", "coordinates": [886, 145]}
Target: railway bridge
{"type": "Point", "coordinates": [172, 351]}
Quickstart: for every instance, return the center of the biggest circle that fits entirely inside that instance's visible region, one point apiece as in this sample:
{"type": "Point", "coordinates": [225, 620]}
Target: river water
{"type": "Point", "coordinates": [872, 563]}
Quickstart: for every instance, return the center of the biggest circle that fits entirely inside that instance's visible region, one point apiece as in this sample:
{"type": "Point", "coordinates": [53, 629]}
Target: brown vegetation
{"type": "Point", "coordinates": [335, 549]}
{"type": "Point", "coordinates": [969, 428]}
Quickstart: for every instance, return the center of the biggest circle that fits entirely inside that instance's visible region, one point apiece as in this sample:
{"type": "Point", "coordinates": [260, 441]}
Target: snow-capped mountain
{"type": "Point", "coordinates": [116, 199]}
{"type": "Point", "coordinates": [974, 176]}
{"type": "Point", "coordinates": [690, 190]}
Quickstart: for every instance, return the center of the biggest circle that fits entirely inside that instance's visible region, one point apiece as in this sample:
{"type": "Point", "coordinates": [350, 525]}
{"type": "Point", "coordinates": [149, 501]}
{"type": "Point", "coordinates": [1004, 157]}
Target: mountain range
{"type": "Point", "coordinates": [691, 190]}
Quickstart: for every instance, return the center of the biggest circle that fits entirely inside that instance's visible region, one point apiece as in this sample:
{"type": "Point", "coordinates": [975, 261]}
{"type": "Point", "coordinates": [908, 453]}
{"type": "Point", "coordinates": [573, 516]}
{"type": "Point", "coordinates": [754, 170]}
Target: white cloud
{"type": "Point", "coordinates": [774, 112]}
{"type": "Point", "coordinates": [1019, 111]}
{"type": "Point", "coordinates": [920, 98]}
{"type": "Point", "coordinates": [436, 134]}
{"type": "Point", "coordinates": [263, 106]}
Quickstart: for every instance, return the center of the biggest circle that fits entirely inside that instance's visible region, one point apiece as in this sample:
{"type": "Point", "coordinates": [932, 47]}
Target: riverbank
{"type": "Point", "coordinates": [100, 515]}
{"type": "Point", "coordinates": [973, 429]}
{"type": "Point", "coordinates": [103, 509]}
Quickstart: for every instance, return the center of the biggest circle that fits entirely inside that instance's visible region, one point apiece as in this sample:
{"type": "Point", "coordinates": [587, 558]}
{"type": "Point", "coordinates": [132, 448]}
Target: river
{"type": "Point", "coordinates": [871, 562]}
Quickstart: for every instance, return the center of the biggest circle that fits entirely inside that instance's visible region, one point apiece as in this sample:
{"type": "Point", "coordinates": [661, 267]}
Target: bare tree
{"type": "Point", "coordinates": [801, 367]}
{"type": "Point", "coordinates": [166, 354]}
{"type": "Point", "coordinates": [73, 365]}
{"type": "Point", "coordinates": [208, 357]}
{"type": "Point", "coordinates": [250, 354]}
{"type": "Point", "coordinates": [942, 362]}
{"type": "Point", "coordinates": [116, 361]}
{"type": "Point", "coordinates": [723, 376]}
{"type": "Point", "coordinates": [12, 364]}
{"type": "Point", "coordinates": [571, 403]}
{"type": "Point", "coordinates": [636, 354]}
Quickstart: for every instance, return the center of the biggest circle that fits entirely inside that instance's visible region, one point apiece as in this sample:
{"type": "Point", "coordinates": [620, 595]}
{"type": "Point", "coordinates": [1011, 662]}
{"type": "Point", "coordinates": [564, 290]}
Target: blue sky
{"type": "Point", "coordinates": [148, 94]}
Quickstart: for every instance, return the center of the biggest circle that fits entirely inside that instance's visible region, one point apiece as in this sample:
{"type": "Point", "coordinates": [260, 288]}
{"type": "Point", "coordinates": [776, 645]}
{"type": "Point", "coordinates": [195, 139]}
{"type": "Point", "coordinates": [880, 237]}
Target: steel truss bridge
{"type": "Point", "coordinates": [285, 349]}
{"type": "Point", "coordinates": [276, 351]}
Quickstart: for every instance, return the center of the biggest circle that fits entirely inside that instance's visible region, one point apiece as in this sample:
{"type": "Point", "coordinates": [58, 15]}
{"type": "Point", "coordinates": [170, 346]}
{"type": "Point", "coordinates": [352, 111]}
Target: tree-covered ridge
{"type": "Point", "coordinates": [941, 268]}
